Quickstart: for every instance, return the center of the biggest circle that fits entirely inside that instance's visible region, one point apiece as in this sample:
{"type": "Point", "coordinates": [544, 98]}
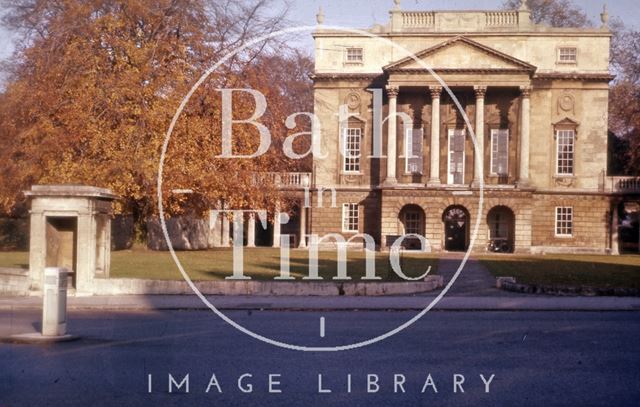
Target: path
{"type": "Point", "coordinates": [474, 279]}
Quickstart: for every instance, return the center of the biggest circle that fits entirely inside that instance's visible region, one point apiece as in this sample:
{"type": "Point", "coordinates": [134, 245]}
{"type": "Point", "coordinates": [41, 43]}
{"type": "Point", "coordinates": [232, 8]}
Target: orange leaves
{"type": "Point", "coordinates": [94, 94]}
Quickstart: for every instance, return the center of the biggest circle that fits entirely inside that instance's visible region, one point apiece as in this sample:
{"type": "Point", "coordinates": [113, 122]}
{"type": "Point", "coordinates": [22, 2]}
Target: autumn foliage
{"type": "Point", "coordinates": [94, 85]}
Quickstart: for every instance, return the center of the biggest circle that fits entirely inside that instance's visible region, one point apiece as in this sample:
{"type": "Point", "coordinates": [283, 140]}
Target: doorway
{"type": "Point", "coordinates": [501, 227]}
{"type": "Point", "coordinates": [456, 229]}
{"type": "Point", "coordinates": [62, 241]}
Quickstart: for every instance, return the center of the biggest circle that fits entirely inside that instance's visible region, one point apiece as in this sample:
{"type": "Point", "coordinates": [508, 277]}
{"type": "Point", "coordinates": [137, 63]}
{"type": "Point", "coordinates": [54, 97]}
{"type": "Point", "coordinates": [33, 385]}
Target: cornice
{"type": "Point", "coordinates": [478, 34]}
{"type": "Point", "coordinates": [581, 76]}
{"type": "Point", "coordinates": [345, 76]}
{"type": "Point", "coordinates": [439, 71]}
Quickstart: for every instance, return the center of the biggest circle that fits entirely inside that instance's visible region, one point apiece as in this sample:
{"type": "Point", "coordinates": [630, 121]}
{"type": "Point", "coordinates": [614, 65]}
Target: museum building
{"type": "Point", "coordinates": [534, 98]}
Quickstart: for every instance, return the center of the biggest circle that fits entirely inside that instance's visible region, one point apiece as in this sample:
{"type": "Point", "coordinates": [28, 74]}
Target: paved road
{"type": "Point", "coordinates": [538, 358]}
{"type": "Point", "coordinates": [463, 302]}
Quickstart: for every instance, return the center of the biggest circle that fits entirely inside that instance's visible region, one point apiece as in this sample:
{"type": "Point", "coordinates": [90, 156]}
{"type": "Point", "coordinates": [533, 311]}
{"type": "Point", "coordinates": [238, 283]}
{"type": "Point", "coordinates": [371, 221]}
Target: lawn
{"type": "Point", "coordinates": [264, 264]}
{"type": "Point", "coordinates": [575, 270]}
{"type": "Point", "coordinates": [259, 263]}
{"type": "Point", "coordinates": [18, 260]}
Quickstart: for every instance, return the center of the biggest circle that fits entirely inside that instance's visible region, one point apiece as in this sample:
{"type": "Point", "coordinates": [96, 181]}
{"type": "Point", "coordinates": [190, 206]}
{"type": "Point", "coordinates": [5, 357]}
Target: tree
{"type": "Point", "coordinates": [624, 105]}
{"type": "Point", "coordinates": [617, 148]}
{"type": "Point", "coordinates": [94, 85]}
{"type": "Point", "coordinates": [556, 13]}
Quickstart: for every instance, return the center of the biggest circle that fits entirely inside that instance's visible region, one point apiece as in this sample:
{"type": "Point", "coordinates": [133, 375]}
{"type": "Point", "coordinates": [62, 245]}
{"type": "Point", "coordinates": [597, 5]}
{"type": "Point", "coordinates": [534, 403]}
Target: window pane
{"type": "Point", "coordinates": [500, 152]}
{"type": "Point", "coordinates": [565, 150]}
{"type": "Point", "coordinates": [456, 157]}
{"type": "Point", "coordinates": [564, 221]}
{"type": "Point", "coordinates": [354, 54]}
{"type": "Point", "coordinates": [568, 54]}
{"type": "Point", "coordinates": [413, 151]}
{"type": "Point", "coordinates": [499, 226]}
{"type": "Point", "coordinates": [350, 217]}
{"type": "Point", "coordinates": [351, 149]}
{"type": "Point", "coordinates": [412, 223]}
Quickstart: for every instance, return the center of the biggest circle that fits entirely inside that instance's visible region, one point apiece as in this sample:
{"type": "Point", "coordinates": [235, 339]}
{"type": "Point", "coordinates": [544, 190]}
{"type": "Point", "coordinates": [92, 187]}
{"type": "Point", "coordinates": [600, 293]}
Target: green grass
{"type": "Point", "coordinates": [574, 270]}
{"type": "Point", "coordinates": [264, 264]}
{"type": "Point", "coordinates": [14, 259]}
{"type": "Point", "coordinates": [259, 263]}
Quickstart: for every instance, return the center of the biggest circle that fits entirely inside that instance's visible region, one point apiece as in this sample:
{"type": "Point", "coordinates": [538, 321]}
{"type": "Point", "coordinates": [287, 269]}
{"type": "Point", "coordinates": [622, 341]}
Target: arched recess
{"type": "Point", "coordinates": [412, 221]}
{"type": "Point", "coordinates": [456, 221]}
{"type": "Point", "coordinates": [501, 227]}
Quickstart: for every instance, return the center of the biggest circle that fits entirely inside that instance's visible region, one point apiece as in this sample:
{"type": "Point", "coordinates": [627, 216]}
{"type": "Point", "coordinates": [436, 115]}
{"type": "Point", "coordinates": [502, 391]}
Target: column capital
{"type": "Point", "coordinates": [480, 91]}
{"type": "Point", "coordinates": [435, 91]}
{"type": "Point", "coordinates": [525, 91]}
{"type": "Point", "coordinates": [392, 91]}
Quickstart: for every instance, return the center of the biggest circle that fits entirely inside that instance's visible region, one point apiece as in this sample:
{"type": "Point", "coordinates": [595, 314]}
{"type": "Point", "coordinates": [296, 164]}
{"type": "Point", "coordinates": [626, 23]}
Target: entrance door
{"type": "Point", "coordinates": [456, 220]}
{"type": "Point", "coordinates": [62, 241]}
{"type": "Point", "coordinates": [455, 173]}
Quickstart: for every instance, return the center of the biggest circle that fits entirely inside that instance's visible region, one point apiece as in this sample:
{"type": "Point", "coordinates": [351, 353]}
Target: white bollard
{"type": "Point", "coordinates": [54, 302]}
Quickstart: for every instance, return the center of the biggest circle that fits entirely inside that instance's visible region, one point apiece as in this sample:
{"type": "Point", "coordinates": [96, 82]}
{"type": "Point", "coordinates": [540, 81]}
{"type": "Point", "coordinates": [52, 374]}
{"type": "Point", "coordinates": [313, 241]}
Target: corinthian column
{"type": "Point", "coordinates": [479, 129]}
{"type": "Point", "coordinates": [392, 93]}
{"type": "Point", "coordinates": [525, 115]}
{"type": "Point", "coordinates": [434, 171]}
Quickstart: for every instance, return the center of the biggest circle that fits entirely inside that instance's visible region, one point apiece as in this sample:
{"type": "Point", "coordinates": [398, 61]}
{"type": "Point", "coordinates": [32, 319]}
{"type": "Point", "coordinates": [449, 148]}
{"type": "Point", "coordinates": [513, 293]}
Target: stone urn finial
{"type": "Point", "coordinates": [604, 16]}
{"type": "Point", "coordinates": [524, 6]}
{"type": "Point", "coordinates": [320, 16]}
{"type": "Point", "coordinates": [397, 4]}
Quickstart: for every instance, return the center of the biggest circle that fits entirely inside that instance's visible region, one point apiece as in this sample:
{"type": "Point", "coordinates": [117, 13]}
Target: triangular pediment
{"type": "Point", "coordinates": [566, 122]}
{"type": "Point", "coordinates": [461, 53]}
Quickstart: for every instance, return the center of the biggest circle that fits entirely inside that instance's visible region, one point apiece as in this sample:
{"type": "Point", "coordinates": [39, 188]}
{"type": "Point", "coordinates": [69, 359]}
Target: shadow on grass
{"type": "Point", "coordinates": [555, 271]}
{"type": "Point", "coordinates": [259, 264]}
{"type": "Point", "coordinates": [14, 259]}
{"type": "Point", "coordinates": [328, 268]}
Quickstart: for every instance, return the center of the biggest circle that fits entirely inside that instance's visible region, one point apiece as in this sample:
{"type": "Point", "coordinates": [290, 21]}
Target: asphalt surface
{"type": "Point", "coordinates": [521, 302]}
{"type": "Point", "coordinates": [538, 358]}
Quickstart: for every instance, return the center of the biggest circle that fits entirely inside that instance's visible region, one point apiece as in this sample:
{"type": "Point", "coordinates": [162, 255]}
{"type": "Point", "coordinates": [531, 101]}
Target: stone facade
{"type": "Point", "coordinates": [534, 98]}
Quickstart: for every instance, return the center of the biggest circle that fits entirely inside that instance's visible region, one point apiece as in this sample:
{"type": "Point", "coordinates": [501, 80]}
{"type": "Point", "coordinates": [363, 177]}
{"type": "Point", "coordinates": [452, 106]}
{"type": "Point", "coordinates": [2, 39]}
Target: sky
{"type": "Point", "coordinates": [365, 13]}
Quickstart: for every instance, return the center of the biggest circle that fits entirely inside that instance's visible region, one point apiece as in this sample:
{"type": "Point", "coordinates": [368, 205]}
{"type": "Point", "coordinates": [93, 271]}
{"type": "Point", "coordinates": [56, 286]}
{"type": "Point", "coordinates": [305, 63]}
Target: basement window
{"type": "Point", "coordinates": [564, 221]}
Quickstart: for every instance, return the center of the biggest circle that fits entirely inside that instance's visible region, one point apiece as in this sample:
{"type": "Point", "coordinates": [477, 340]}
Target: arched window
{"type": "Point", "coordinates": [412, 221]}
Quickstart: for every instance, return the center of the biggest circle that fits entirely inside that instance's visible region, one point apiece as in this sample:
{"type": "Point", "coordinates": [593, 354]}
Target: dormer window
{"type": "Point", "coordinates": [567, 55]}
{"type": "Point", "coordinates": [354, 55]}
